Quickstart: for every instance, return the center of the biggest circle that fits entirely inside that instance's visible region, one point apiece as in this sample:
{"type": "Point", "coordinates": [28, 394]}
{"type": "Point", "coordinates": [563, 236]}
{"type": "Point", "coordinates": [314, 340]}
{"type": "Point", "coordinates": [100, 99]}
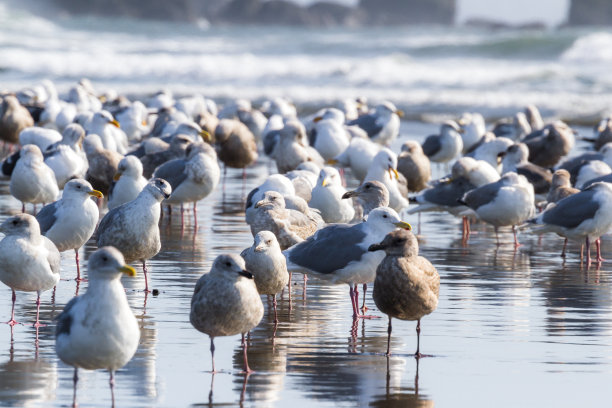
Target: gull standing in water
{"type": "Point", "coordinates": [28, 261]}
{"type": "Point", "coordinates": [32, 180]}
{"type": "Point", "coordinates": [98, 330]}
{"type": "Point", "coordinates": [70, 221]}
{"type": "Point", "coordinates": [128, 182]}
{"type": "Point", "coordinates": [339, 252]}
{"type": "Point", "coordinates": [407, 286]}
{"type": "Point", "coordinates": [266, 262]}
{"type": "Point", "coordinates": [225, 302]}
{"type": "Point", "coordinates": [133, 227]}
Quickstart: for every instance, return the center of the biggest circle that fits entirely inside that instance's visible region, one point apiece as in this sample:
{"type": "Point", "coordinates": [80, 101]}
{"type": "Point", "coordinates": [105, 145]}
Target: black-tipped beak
{"type": "Point", "coordinates": [246, 274]}
{"type": "Point", "coordinates": [348, 194]}
{"type": "Point", "coordinates": [166, 195]}
{"type": "Point", "coordinates": [376, 247]}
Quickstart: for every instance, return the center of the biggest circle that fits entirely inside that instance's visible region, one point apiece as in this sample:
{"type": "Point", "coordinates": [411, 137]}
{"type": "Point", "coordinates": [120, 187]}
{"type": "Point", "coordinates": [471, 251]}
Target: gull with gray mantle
{"type": "Point", "coordinates": [98, 329]}
{"type": "Point", "coordinates": [70, 221]}
{"type": "Point", "coordinates": [133, 227]}
{"type": "Point", "coordinates": [585, 215]}
{"type": "Point", "coordinates": [339, 252]}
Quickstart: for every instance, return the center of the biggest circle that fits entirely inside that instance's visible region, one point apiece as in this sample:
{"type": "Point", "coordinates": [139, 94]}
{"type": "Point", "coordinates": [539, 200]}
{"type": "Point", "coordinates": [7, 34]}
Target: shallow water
{"type": "Point", "coordinates": [513, 328]}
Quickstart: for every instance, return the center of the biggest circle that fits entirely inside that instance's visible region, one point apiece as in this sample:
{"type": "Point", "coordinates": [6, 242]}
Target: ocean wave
{"type": "Point", "coordinates": [593, 47]}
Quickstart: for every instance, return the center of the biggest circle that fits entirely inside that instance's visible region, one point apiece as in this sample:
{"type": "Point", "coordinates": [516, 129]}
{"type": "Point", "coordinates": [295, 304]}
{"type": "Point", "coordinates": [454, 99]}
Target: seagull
{"type": "Point", "coordinates": [178, 147]}
{"type": "Point", "coordinates": [128, 182]}
{"type": "Point", "coordinates": [548, 145]}
{"type": "Point", "coordinates": [13, 119]}
{"type": "Point", "coordinates": [508, 201]}
{"type": "Point", "coordinates": [236, 144]}
{"type": "Point", "coordinates": [225, 302]}
{"type": "Point", "coordinates": [265, 260]}
{"type": "Point", "coordinates": [515, 159]}
{"type": "Point", "coordinates": [192, 178]}
{"type": "Point", "coordinates": [28, 261]}
{"type": "Point", "coordinates": [41, 137]}
{"type": "Point", "coordinates": [584, 215]}
{"type": "Point", "coordinates": [384, 169]}
{"type": "Point", "coordinates": [32, 180]}
{"type": "Point", "coordinates": [66, 158]}
{"type": "Point", "coordinates": [382, 125]}
{"type": "Point", "coordinates": [473, 126]}
{"type": "Point", "coordinates": [104, 125]}
{"type": "Point", "coordinates": [98, 330]}
{"type": "Point", "coordinates": [330, 138]}
{"type": "Point", "coordinates": [445, 146]}
{"type": "Point", "coordinates": [292, 148]}
{"type": "Point", "coordinates": [103, 163]}
{"type": "Point", "coordinates": [560, 188]}
{"type": "Point", "coordinates": [289, 226]}
{"type": "Point", "coordinates": [327, 197]}
{"type": "Point", "coordinates": [358, 156]}
{"type": "Point", "coordinates": [413, 164]}
{"type": "Point", "coordinates": [133, 227]}
{"type": "Point", "coordinates": [339, 252]}
{"type": "Point", "coordinates": [71, 221]}
{"type": "Point", "coordinates": [370, 195]}
{"type": "Point", "coordinates": [407, 286]}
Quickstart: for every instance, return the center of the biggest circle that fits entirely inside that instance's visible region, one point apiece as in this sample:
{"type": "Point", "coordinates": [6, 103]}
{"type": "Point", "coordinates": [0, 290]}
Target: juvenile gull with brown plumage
{"type": "Point", "coordinates": [407, 286]}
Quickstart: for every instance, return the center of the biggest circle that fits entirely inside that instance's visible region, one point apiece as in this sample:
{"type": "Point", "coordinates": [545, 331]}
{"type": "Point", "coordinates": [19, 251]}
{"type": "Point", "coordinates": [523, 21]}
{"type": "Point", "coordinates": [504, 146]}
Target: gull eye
{"type": "Point", "coordinates": [15, 222]}
{"type": "Point", "coordinates": [385, 216]}
{"type": "Point", "coordinates": [367, 186]}
{"type": "Point", "coordinates": [105, 258]}
{"type": "Point", "coordinates": [269, 242]}
{"type": "Point", "coordinates": [228, 264]}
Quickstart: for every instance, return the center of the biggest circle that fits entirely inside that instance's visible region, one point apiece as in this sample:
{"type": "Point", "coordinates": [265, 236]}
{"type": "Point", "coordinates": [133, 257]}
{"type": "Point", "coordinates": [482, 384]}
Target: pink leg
{"type": "Point", "coordinates": [275, 310]}
{"type": "Point", "coordinates": [144, 270]}
{"type": "Point", "coordinates": [13, 322]}
{"type": "Point", "coordinates": [247, 369]}
{"type": "Point", "coordinates": [37, 323]}
{"type": "Point", "coordinates": [78, 278]}
{"type": "Point", "coordinates": [354, 293]}
{"type": "Point", "coordinates": [75, 379]}
{"type": "Point", "coordinates": [195, 215]}
{"type": "Point", "coordinates": [598, 244]}
{"type": "Point", "coordinates": [516, 242]}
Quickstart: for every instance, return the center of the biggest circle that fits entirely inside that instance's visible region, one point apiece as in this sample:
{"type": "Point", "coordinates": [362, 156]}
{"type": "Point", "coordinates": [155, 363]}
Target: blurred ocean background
{"type": "Point", "coordinates": [425, 70]}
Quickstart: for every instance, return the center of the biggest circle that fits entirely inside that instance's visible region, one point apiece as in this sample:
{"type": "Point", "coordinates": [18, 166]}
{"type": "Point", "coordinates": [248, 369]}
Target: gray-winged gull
{"type": "Point", "coordinates": [98, 330]}
{"type": "Point", "coordinates": [384, 169]}
{"type": "Point", "coordinates": [339, 252]}
{"type": "Point", "coordinates": [265, 260]}
{"type": "Point", "coordinates": [327, 197]}
{"type": "Point", "coordinates": [414, 165]}
{"type": "Point", "coordinates": [330, 138]}
{"type": "Point", "coordinates": [32, 180]}
{"type": "Point", "coordinates": [192, 178]}
{"type": "Point", "coordinates": [506, 202]}
{"type": "Point", "coordinates": [66, 158]}
{"type": "Point", "coordinates": [104, 125]}
{"type": "Point", "coordinates": [516, 159]}
{"type": "Point", "coordinates": [585, 215]}
{"type": "Point", "coordinates": [128, 182]}
{"type": "Point", "coordinates": [177, 149]}
{"type": "Point", "coordinates": [473, 126]}
{"type": "Point", "coordinates": [41, 137]}
{"type": "Point", "coordinates": [446, 145]}
{"type": "Point", "coordinates": [407, 286]}
{"type": "Point", "coordinates": [28, 261]}
{"type": "Point", "coordinates": [515, 128]}
{"type": "Point", "coordinates": [70, 221]}
{"type": "Point", "coordinates": [133, 227]}
{"type": "Point", "coordinates": [382, 125]}
{"type": "Point", "coordinates": [225, 302]}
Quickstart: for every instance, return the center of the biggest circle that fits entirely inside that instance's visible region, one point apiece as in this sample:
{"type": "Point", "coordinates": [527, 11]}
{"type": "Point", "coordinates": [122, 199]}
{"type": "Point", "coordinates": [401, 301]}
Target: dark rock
{"type": "Point", "coordinates": [590, 12]}
{"type": "Point", "coordinates": [400, 12]}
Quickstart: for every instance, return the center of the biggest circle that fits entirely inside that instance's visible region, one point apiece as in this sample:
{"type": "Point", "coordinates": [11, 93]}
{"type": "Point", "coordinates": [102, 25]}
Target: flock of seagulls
{"type": "Point", "coordinates": [130, 159]}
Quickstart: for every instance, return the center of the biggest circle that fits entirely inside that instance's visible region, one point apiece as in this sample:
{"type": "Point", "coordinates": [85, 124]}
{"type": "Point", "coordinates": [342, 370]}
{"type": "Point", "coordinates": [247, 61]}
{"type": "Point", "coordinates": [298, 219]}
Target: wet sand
{"type": "Point", "coordinates": [513, 327]}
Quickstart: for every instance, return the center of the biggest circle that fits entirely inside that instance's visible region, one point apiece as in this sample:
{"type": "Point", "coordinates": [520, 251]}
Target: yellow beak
{"type": "Point", "coordinates": [403, 225]}
{"type": "Point", "coordinates": [117, 176]}
{"type": "Point", "coordinates": [317, 119]}
{"type": "Point", "coordinates": [324, 183]}
{"type": "Point", "coordinates": [331, 161]}
{"type": "Point", "coordinates": [399, 113]}
{"type": "Point", "coordinates": [143, 123]}
{"type": "Point", "coordinates": [206, 136]}
{"type": "Point", "coordinates": [393, 172]}
{"type": "Point", "coordinates": [115, 123]}
{"type": "Point", "coordinates": [128, 270]}
{"type": "Point", "coordinates": [96, 193]}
